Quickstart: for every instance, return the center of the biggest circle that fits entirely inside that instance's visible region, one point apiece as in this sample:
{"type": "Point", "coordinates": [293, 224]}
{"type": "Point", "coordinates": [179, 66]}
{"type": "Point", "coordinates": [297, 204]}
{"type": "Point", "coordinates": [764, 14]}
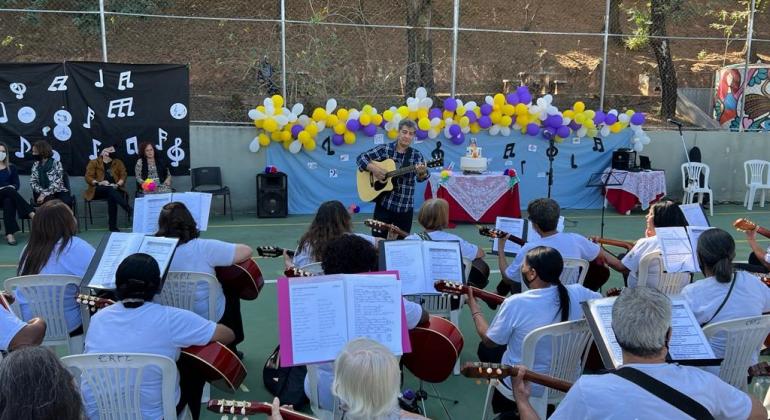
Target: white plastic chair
{"type": "Point", "coordinates": [180, 287]}
{"type": "Point", "coordinates": [743, 338]}
{"type": "Point", "coordinates": [115, 380]}
{"type": "Point", "coordinates": [569, 349]}
{"type": "Point", "coordinates": [575, 271]}
{"type": "Point", "coordinates": [757, 177]}
{"type": "Point", "coordinates": [651, 268]}
{"type": "Point", "coordinates": [691, 183]}
{"type": "Point", "coordinates": [313, 268]}
{"type": "Point", "coordinates": [45, 296]}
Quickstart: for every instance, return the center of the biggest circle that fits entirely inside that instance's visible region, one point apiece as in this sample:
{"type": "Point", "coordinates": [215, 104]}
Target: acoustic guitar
{"type": "Point", "coordinates": [435, 349]}
{"type": "Point", "coordinates": [458, 289]}
{"type": "Point", "coordinates": [612, 242]}
{"type": "Point", "coordinates": [216, 363]}
{"type": "Point", "coordinates": [386, 227]}
{"type": "Point", "coordinates": [497, 233]}
{"type": "Point", "coordinates": [296, 272]}
{"type": "Point", "coordinates": [244, 408]}
{"type": "Point", "coordinates": [500, 371]}
{"type": "Point", "coordinates": [370, 187]}
{"type": "Point", "coordinates": [273, 251]}
{"type": "Point", "coordinates": [744, 225]}
{"type": "Point", "coordinates": [244, 277]}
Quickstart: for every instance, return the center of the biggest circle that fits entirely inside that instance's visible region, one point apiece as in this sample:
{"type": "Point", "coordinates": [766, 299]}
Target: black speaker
{"type": "Point", "coordinates": [272, 195]}
{"type": "Point", "coordinates": [623, 159]}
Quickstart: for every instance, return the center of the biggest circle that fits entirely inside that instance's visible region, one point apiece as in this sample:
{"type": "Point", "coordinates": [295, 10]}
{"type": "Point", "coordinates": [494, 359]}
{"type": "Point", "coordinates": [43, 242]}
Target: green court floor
{"type": "Point", "coordinates": [260, 315]}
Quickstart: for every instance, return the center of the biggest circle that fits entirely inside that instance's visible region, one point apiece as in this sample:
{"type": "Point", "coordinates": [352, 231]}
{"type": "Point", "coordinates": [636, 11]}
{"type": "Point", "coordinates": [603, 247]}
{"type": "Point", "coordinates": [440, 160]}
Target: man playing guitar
{"type": "Point", "coordinates": [396, 206]}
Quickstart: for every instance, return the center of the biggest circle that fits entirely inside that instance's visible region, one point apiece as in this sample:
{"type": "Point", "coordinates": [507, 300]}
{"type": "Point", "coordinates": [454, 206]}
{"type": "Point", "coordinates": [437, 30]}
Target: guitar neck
{"type": "Point", "coordinates": [764, 232]}
{"type": "Point", "coordinates": [492, 370]}
{"type": "Point", "coordinates": [237, 408]}
{"type": "Point", "coordinates": [545, 380]}
{"type": "Point", "coordinates": [487, 297]}
{"type": "Point", "coordinates": [401, 171]}
{"type": "Point", "coordinates": [615, 242]}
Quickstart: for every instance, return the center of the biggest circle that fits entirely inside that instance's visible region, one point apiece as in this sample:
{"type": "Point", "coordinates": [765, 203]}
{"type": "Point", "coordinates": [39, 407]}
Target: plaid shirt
{"type": "Point", "coordinates": [401, 199]}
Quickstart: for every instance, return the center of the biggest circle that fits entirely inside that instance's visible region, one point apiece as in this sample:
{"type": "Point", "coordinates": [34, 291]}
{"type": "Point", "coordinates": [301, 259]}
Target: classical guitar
{"type": "Point", "coordinates": [216, 363]}
{"type": "Point", "coordinates": [745, 225]}
{"type": "Point", "coordinates": [436, 346]}
{"type": "Point", "coordinates": [244, 277]}
{"type": "Point", "coordinates": [244, 408]}
{"type": "Point", "coordinates": [458, 289]}
{"type": "Point", "coordinates": [370, 187]}
{"type": "Point", "coordinates": [612, 242]}
{"type": "Point", "coordinates": [296, 272]}
{"type": "Point", "coordinates": [497, 233]}
{"type": "Point", "coordinates": [500, 371]}
{"type": "Point", "coordinates": [386, 227]}
{"type": "Point", "coordinates": [273, 251]}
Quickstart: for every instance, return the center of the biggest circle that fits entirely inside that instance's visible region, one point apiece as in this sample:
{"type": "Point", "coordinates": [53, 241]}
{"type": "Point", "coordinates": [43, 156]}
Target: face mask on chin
{"type": "Point", "coordinates": [37, 157]}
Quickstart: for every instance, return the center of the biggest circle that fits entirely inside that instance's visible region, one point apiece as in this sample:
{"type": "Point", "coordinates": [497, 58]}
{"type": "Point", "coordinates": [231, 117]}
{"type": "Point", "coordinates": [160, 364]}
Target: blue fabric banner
{"type": "Point", "coordinates": [329, 173]}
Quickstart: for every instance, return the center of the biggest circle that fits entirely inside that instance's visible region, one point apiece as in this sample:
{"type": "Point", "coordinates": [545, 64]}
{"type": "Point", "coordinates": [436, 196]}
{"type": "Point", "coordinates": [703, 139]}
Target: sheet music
{"type": "Point", "coordinates": [119, 246]}
{"type": "Point", "coordinates": [676, 249]}
{"type": "Point", "coordinates": [318, 318]}
{"type": "Point", "coordinates": [160, 248]}
{"type": "Point", "coordinates": [694, 214]}
{"type": "Point", "coordinates": [407, 258]}
{"type": "Point", "coordinates": [513, 226]}
{"type": "Point", "coordinates": [603, 314]}
{"type": "Point", "coordinates": [694, 233]}
{"type": "Point", "coordinates": [199, 205]}
{"type": "Point", "coordinates": [146, 211]}
{"type": "Point", "coordinates": [374, 309]}
{"type": "Point", "coordinates": [533, 236]}
{"type": "Point", "coordinates": [443, 261]}
{"type": "Point", "coordinates": [687, 338]}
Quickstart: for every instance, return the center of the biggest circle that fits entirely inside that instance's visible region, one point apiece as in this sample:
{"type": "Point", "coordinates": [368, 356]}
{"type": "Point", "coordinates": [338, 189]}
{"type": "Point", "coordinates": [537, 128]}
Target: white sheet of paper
{"type": "Point", "coordinates": [318, 318]}
{"type": "Point", "coordinates": [374, 309]}
{"type": "Point", "coordinates": [603, 313]}
{"type": "Point", "coordinates": [443, 261]}
{"type": "Point", "coordinates": [199, 205]}
{"type": "Point", "coordinates": [406, 257]}
{"type": "Point", "coordinates": [687, 338]}
{"type": "Point", "coordinates": [159, 248]}
{"type": "Point", "coordinates": [694, 214]}
{"type": "Point", "coordinates": [513, 226]}
{"type": "Point", "coordinates": [534, 236]}
{"type": "Point", "coordinates": [676, 249]}
{"type": "Point", "coordinates": [694, 233]}
{"type": "Point", "coordinates": [119, 246]}
{"type": "Point", "coordinates": [147, 211]}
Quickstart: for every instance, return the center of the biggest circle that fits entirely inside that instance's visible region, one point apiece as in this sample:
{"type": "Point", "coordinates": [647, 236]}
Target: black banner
{"type": "Point", "coordinates": [82, 107]}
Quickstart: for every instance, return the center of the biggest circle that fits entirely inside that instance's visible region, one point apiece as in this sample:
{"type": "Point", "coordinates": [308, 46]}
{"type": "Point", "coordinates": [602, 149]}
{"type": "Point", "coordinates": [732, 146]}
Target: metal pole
{"type": "Point", "coordinates": [455, 29]}
{"type": "Point", "coordinates": [745, 81]}
{"type": "Point", "coordinates": [104, 31]}
{"type": "Point", "coordinates": [283, 49]}
{"type": "Point", "coordinates": [604, 55]}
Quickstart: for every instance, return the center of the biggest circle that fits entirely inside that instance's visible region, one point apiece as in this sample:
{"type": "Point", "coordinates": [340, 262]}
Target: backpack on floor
{"type": "Point", "coordinates": [286, 383]}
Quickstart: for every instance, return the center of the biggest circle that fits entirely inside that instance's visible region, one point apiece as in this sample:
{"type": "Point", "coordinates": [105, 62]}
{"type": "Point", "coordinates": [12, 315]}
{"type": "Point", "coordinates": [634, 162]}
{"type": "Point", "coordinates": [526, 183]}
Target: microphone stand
{"type": "Point", "coordinates": [681, 136]}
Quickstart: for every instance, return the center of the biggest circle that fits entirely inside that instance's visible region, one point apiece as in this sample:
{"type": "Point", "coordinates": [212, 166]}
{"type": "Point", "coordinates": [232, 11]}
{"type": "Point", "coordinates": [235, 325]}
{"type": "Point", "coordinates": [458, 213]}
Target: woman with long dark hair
{"type": "Point", "coordinates": [53, 248]}
{"type": "Point", "coordinates": [546, 302]}
{"type": "Point", "coordinates": [10, 198]}
{"type": "Point", "coordinates": [47, 175]}
{"type": "Point", "coordinates": [153, 167]}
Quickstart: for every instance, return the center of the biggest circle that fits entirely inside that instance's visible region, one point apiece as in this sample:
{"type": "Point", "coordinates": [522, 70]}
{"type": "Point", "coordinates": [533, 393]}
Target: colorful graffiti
{"type": "Point", "coordinates": [727, 99]}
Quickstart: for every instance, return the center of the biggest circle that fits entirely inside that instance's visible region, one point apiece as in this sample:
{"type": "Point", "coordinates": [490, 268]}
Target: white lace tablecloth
{"type": "Point", "coordinates": [474, 193]}
{"type": "Point", "coordinates": [645, 185]}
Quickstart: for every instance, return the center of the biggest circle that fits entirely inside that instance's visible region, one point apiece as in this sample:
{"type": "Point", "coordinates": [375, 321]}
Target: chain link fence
{"type": "Point", "coordinates": [367, 51]}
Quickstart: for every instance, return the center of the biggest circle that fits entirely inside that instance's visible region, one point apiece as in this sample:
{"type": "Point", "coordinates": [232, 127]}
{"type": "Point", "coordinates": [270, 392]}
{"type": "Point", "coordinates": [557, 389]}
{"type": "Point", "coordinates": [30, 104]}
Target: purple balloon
{"type": "Point", "coordinates": [450, 104]}
{"type": "Point", "coordinates": [599, 117]}
{"type": "Point", "coordinates": [337, 139]}
{"type": "Point", "coordinates": [370, 130]}
{"type": "Point", "coordinates": [434, 113]}
{"type": "Point", "coordinates": [485, 121]}
{"type": "Point", "coordinates": [383, 123]}
{"type": "Point", "coordinates": [455, 130]}
{"type": "Point", "coordinates": [471, 116]}
{"type": "Point", "coordinates": [421, 134]}
{"type": "Point", "coordinates": [562, 131]}
{"type": "Point", "coordinates": [547, 134]}
{"type": "Point", "coordinates": [524, 96]}
{"type": "Point", "coordinates": [533, 129]}
{"type": "Point", "coordinates": [458, 139]}
{"type": "Point", "coordinates": [574, 125]}
{"type": "Point", "coordinates": [353, 125]}
{"type": "Point", "coordinates": [553, 121]}
{"type": "Point", "coordinates": [512, 98]}
{"type": "Point", "coordinates": [295, 129]}
{"type": "Point", "coordinates": [486, 109]}
{"type": "Point", "coordinates": [637, 118]}
{"type": "Point", "coordinates": [610, 119]}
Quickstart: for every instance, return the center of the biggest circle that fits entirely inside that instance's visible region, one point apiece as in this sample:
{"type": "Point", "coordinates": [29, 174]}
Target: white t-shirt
{"type": "Point", "coordinates": [74, 261]}
{"type": "Point", "coordinates": [467, 249]}
{"type": "Point", "coordinates": [521, 313]}
{"type": "Point", "coordinates": [150, 328]}
{"type": "Point", "coordinates": [750, 297]}
{"type": "Point", "coordinates": [569, 245]}
{"type": "Point", "coordinates": [631, 261]}
{"type": "Point", "coordinates": [609, 396]}
{"type": "Point", "coordinates": [201, 256]}
{"type": "Point", "coordinates": [304, 256]}
{"type": "Point", "coordinates": [10, 325]}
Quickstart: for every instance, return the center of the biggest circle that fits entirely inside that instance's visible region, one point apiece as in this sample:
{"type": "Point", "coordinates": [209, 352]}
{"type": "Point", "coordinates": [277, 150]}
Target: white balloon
{"type": "Point", "coordinates": [566, 120]}
{"type": "Point", "coordinates": [516, 126]}
{"type": "Point", "coordinates": [535, 109]}
{"type": "Point", "coordinates": [421, 93]}
{"type": "Point", "coordinates": [470, 105]}
{"type": "Point", "coordinates": [446, 132]}
{"type": "Point", "coordinates": [435, 122]}
{"type": "Point", "coordinates": [269, 110]}
{"type": "Point", "coordinates": [426, 103]}
{"type": "Point", "coordinates": [304, 120]}
{"type": "Point", "coordinates": [297, 109]}
{"type": "Point", "coordinates": [613, 111]}
{"type": "Point", "coordinates": [543, 115]}
{"type": "Point", "coordinates": [624, 118]}
{"type": "Point", "coordinates": [638, 147]}
{"type": "Point", "coordinates": [582, 131]}
{"type": "Point", "coordinates": [254, 145]}
{"type": "Point", "coordinates": [466, 129]}
{"type": "Point", "coordinates": [331, 105]}
{"type": "Point", "coordinates": [552, 110]}
{"type": "Point", "coordinates": [605, 131]}
{"type": "Point", "coordinates": [253, 114]}
{"type": "Point", "coordinates": [494, 130]}
{"type": "Point", "coordinates": [548, 98]}
{"type": "Point", "coordinates": [637, 129]}
{"type": "Point", "coordinates": [353, 114]}
{"type": "Point", "coordinates": [459, 102]}
{"type": "Point", "coordinates": [413, 106]}
{"type": "Point", "coordinates": [295, 146]}
{"type": "Point", "coordinates": [268, 102]}
{"type": "Point", "coordinates": [505, 131]}
{"type": "Point", "coordinates": [374, 110]}
{"type": "Point", "coordinates": [542, 103]}
{"type": "Point", "coordinates": [321, 125]}
{"type": "Point", "coordinates": [432, 133]}
{"type": "Point", "coordinates": [448, 122]}
{"type": "Point", "coordinates": [645, 140]}
{"type": "Point", "coordinates": [282, 120]}
{"type": "Point", "coordinates": [488, 99]}
{"type": "Point", "coordinates": [292, 118]}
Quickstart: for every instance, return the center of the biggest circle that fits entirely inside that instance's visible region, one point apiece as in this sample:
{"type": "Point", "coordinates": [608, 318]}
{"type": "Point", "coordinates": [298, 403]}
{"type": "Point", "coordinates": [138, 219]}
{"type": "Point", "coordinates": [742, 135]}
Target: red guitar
{"type": "Point", "coordinates": [245, 277]}
{"type": "Point", "coordinates": [215, 362]}
{"type": "Point", "coordinates": [458, 289]}
{"type": "Point", "coordinates": [499, 371]}
{"type": "Point", "coordinates": [746, 224]}
{"type": "Point", "coordinates": [273, 251]}
{"type": "Point", "coordinates": [244, 408]}
{"type": "Point", "coordinates": [435, 349]}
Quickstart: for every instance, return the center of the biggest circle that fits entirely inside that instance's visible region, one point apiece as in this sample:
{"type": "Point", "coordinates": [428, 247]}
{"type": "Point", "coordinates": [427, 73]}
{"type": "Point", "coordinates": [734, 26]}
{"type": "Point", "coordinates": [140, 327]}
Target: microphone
{"type": "Point", "coordinates": [675, 122]}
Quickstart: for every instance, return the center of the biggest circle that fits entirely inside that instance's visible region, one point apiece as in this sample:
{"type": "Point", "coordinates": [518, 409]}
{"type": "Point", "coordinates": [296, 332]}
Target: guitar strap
{"type": "Point", "coordinates": [722, 305]}
{"type": "Point", "coordinates": [666, 393]}
{"type": "Point", "coordinates": [424, 236]}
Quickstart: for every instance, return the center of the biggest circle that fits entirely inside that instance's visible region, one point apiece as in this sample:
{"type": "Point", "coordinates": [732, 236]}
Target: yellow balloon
{"type": "Point", "coordinates": [505, 121]}
{"type": "Point", "coordinates": [522, 120]}
{"type": "Point", "coordinates": [286, 145]}
{"type": "Point", "coordinates": [521, 109]}
{"type": "Point", "coordinates": [388, 115]}
{"type": "Point", "coordinates": [331, 120]}
{"type": "Point", "coordinates": [422, 113]}
{"type": "Point", "coordinates": [460, 111]}
{"type": "Point", "coordinates": [569, 113]}
{"type": "Point", "coordinates": [270, 124]}
{"type": "Point", "coordinates": [403, 111]}
{"type": "Point", "coordinates": [367, 109]}
{"type": "Point", "coordinates": [312, 129]}
{"type": "Point", "coordinates": [424, 124]}
{"type": "Point", "coordinates": [350, 138]}
{"type": "Point", "coordinates": [276, 135]}
{"type": "Point", "coordinates": [339, 128]}
{"type": "Point", "coordinates": [310, 145]}
{"type": "Point", "coordinates": [475, 128]}
{"type": "Point", "coordinates": [412, 115]}
{"type": "Point", "coordinates": [616, 127]}
{"type": "Point", "coordinates": [499, 99]}
{"type": "Point", "coordinates": [392, 134]}
{"type": "Point", "coordinates": [580, 118]}
{"type": "Point", "coordinates": [342, 114]}
{"type": "Point", "coordinates": [259, 123]}
{"type": "Point", "coordinates": [303, 137]}
{"type": "Point", "coordinates": [261, 109]}
{"type": "Point", "coordinates": [464, 121]}
{"type": "Point", "coordinates": [630, 112]}
{"type": "Point", "coordinates": [496, 107]}
{"type": "Point", "coordinates": [285, 136]}
{"type": "Point", "coordinates": [509, 109]}
{"type": "Point", "coordinates": [277, 101]}
{"type": "Point", "coordinates": [319, 114]}
{"type": "Point", "coordinates": [263, 139]}
{"type": "Point", "coordinates": [590, 114]}
{"type": "Point", "coordinates": [365, 119]}
{"type": "Point", "coordinates": [377, 119]}
{"type": "Point", "coordinates": [579, 106]}
{"type": "Point", "coordinates": [447, 114]}
{"type": "Point", "coordinates": [495, 116]}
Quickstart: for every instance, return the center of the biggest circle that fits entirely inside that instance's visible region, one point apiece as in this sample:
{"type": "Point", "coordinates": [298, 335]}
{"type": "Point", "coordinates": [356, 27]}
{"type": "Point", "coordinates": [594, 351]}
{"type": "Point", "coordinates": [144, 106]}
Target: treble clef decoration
{"type": "Point", "coordinates": [175, 152]}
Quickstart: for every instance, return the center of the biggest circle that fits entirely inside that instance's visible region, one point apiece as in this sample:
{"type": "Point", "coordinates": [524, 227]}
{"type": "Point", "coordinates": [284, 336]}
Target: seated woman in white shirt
{"type": "Point", "coordinates": [137, 325]}
{"type": "Point", "coordinates": [724, 294]}
{"type": "Point", "coordinates": [350, 254]}
{"type": "Point", "coordinates": [203, 256]}
{"type": "Point", "coordinates": [661, 214]}
{"type": "Point", "coordinates": [546, 302]}
{"type": "Point", "coordinates": [433, 217]}
{"type": "Point", "coordinates": [53, 248]}
{"type": "Point", "coordinates": [331, 221]}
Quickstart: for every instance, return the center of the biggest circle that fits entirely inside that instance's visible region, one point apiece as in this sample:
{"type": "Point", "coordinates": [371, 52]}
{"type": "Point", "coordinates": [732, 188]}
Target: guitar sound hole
{"type": "Point", "coordinates": [379, 185]}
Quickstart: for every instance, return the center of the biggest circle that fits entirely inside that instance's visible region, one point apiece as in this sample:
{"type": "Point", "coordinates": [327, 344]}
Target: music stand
{"type": "Point", "coordinates": [604, 180]}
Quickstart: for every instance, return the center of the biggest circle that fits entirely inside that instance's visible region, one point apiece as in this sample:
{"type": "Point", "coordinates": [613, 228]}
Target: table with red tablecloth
{"type": "Point", "coordinates": [476, 198]}
{"type": "Point", "coordinates": [643, 188]}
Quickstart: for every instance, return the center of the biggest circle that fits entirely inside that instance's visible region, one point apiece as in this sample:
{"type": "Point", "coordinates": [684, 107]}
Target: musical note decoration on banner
{"type": "Point", "coordinates": [24, 147]}
{"type": "Point", "coordinates": [508, 152]}
{"type": "Point", "coordinates": [598, 145]}
{"type": "Point", "coordinates": [437, 153]}
{"type": "Point", "coordinates": [327, 145]}
{"type": "Point", "coordinates": [176, 153]}
{"type": "Point", "coordinates": [100, 83]}
{"type": "Point", "coordinates": [59, 83]}
{"type": "Point", "coordinates": [125, 81]}
{"type": "Point", "coordinates": [89, 117]}
{"type": "Point", "coordinates": [95, 145]}
{"type": "Point", "coordinates": [573, 165]}
{"type": "Point", "coordinates": [522, 166]}
{"type": "Point", "coordinates": [162, 136]}
{"type": "Point", "coordinates": [123, 106]}
{"type": "Point", "coordinates": [3, 114]}
{"type": "Point", "coordinates": [132, 146]}
{"type": "Point", "coordinates": [18, 89]}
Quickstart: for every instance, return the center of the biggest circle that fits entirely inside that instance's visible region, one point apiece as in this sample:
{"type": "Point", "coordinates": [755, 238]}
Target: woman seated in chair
{"type": "Point", "coordinates": [724, 294]}
{"type": "Point", "coordinates": [47, 176]}
{"type": "Point", "coordinates": [149, 166]}
{"type": "Point", "coordinates": [331, 221]}
{"type": "Point", "coordinates": [10, 198]}
{"type": "Point", "coordinates": [433, 217]}
{"type": "Point", "coordinates": [137, 325]}
{"type": "Point", "coordinates": [53, 248]}
{"type": "Point", "coordinates": [106, 179]}
{"type": "Point", "coordinates": [15, 333]}
{"type": "Point", "coordinates": [546, 302]}
{"type": "Point", "coordinates": [661, 214]}
{"type": "Point", "coordinates": [203, 256]}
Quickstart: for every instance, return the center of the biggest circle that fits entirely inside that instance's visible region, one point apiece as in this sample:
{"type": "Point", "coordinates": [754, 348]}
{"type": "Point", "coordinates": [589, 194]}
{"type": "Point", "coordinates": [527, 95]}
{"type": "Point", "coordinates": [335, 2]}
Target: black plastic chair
{"type": "Point", "coordinates": [89, 216]}
{"type": "Point", "coordinates": [208, 179]}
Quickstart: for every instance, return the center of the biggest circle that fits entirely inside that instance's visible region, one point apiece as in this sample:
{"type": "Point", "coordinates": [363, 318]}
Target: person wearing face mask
{"type": "Point", "coordinates": [10, 198]}
{"type": "Point", "coordinates": [106, 178]}
{"type": "Point", "coordinates": [47, 176]}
